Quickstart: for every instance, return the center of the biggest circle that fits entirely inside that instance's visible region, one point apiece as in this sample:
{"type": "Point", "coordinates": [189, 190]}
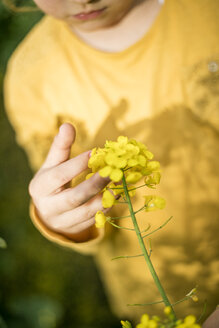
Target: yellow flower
{"type": "Point", "coordinates": [194, 298]}
{"type": "Point", "coordinates": [151, 167]}
{"type": "Point", "coordinates": [153, 203]}
{"type": "Point", "coordinates": [153, 179]}
{"type": "Point", "coordinates": [130, 158]}
{"type": "Point", "coordinates": [118, 156]}
{"type": "Point", "coordinates": [108, 199]}
{"type": "Point", "coordinates": [152, 324]}
{"type": "Point", "coordinates": [100, 219]}
{"type": "Point", "coordinates": [146, 322]}
{"type": "Point", "coordinates": [145, 319]}
{"type": "Point", "coordinates": [192, 295]}
{"type": "Point", "coordinates": [189, 322]}
{"type": "Point", "coordinates": [96, 161]}
{"type": "Point", "coordinates": [167, 310]}
{"type": "Point", "coordinates": [190, 319]}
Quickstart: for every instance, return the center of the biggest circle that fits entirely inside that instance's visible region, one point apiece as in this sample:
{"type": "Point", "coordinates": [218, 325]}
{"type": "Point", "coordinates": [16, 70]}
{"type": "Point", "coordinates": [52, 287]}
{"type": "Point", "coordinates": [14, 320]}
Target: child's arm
{"type": "Point", "coordinates": [68, 211]}
{"type": "Point", "coordinates": [31, 113]}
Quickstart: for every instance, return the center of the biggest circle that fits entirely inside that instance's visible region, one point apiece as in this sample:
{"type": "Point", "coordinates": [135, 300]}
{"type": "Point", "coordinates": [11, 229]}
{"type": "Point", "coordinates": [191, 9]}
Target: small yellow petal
{"type": "Point", "coordinates": [133, 177]}
{"type": "Point", "coordinates": [153, 165]}
{"type": "Point", "coordinates": [145, 171]}
{"type": "Point", "coordinates": [110, 158]}
{"type": "Point", "coordinates": [108, 199]}
{"type": "Point", "coordinates": [148, 154]}
{"type": "Point", "coordinates": [100, 219]}
{"type": "Point", "coordinates": [132, 162]}
{"type": "Point", "coordinates": [116, 175]}
{"type": "Point", "coordinates": [120, 163]}
{"type": "Point", "coordinates": [122, 140]}
{"type": "Point", "coordinates": [153, 203]}
{"type": "Point", "coordinates": [194, 298]}
{"type": "Point", "coordinates": [167, 310]}
{"type": "Point", "coordinates": [133, 150]}
{"type": "Point", "coordinates": [96, 161]}
{"type": "Point", "coordinates": [93, 152]}
{"type": "Point", "coordinates": [152, 324]}
{"type": "Point", "coordinates": [89, 175]}
{"type": "Point", "coordinates": [153, 179]}
{"type": "Point", "coordinates": [144, 319]}
{"type": "Point", "coordinates": [141, 325]}
{"type": "Point", "coordinates": [190, 319]}
{"type": "Point", "coordinates": [141, 160]}
{"type": "Point", "coordinates": [105, 171]}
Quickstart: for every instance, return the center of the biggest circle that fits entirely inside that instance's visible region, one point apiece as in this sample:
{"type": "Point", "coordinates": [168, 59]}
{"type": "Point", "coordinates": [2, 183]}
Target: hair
{"type": "Point", "coordinates": [10, 4]}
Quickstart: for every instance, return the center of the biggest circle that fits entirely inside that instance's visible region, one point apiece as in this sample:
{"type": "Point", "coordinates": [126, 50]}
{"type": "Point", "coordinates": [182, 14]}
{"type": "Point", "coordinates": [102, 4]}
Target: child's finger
{"type": "Point", "coordinates": [71, 198]}
{"type": "Point", "coordinates": [50, 180]}
{"type": "Point", "coordinates": [61, 146]}
{"type": "Point", "coordinates": [70, 221]}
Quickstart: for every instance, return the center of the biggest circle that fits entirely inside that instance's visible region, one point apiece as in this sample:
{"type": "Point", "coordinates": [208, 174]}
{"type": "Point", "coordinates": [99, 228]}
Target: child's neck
{"type": "Point", "coordinates": [127, 32]}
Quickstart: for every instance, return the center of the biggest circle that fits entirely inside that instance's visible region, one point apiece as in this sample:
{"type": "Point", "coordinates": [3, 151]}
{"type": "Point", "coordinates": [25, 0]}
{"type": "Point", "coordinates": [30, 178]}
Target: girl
{"type": "Point", "coordinates": [138, 68]}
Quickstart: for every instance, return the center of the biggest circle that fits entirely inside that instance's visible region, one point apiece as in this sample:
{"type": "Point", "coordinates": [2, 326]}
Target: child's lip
{"type": "Point", "coordinates": [89, 15]}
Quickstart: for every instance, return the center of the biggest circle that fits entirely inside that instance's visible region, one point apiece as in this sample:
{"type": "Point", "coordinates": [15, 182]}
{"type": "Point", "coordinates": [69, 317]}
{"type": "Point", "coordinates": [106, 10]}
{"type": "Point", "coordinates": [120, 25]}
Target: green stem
{"type": "Point", "coordinates": [203, 312]}
{"type": "Point", "coordinates": [130, 229]}
{"type": "Point", "coordinates": [182, 300]}
{"type": "Point", "coordinates": [126, 257]}
{"type": "Point", "coordinates": [119, 227]}
{"type": "Point", "coordinates": [150, 233]}
{"type": "Point", "coordinates": [144, 251]}
{"type": "Point", "coordinates": [144, 304]}
{"type": "Point", "coordinates": [119, 217]}
{"type": "Point", "coordinates": [140, 209]}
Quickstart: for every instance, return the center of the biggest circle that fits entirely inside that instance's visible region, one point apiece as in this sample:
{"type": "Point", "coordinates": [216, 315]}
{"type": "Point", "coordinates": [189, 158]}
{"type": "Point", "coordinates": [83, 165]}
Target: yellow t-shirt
{"type": "Point", "coordinates": [163, 91]}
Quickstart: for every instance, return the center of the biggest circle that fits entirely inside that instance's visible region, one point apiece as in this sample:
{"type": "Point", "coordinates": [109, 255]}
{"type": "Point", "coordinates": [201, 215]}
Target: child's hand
{"type": "Point", "coordinates": [69, 211]}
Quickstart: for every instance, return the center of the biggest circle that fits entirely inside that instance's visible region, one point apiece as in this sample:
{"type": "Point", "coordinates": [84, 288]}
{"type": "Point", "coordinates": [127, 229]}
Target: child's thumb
{"type": "Point", "coordinates": [61, 146]}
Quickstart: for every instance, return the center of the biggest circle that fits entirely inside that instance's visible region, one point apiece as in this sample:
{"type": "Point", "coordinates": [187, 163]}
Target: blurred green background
{"type": "Point", "coordinates": [41, 285]}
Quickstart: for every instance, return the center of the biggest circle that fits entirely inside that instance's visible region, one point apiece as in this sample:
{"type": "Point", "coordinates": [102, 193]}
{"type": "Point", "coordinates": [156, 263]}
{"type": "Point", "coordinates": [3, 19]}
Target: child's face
{"type": "Point", "coordinates": [87, 15]}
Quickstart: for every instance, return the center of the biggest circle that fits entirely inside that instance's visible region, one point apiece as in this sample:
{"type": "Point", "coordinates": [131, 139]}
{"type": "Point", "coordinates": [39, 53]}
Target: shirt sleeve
{"type": "Point", "coordinates": [87, 247]}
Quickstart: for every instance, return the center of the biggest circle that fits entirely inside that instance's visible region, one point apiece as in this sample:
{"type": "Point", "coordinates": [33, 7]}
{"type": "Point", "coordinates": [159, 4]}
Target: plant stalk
{"type": "Point", "coordinates": [144, 251]}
